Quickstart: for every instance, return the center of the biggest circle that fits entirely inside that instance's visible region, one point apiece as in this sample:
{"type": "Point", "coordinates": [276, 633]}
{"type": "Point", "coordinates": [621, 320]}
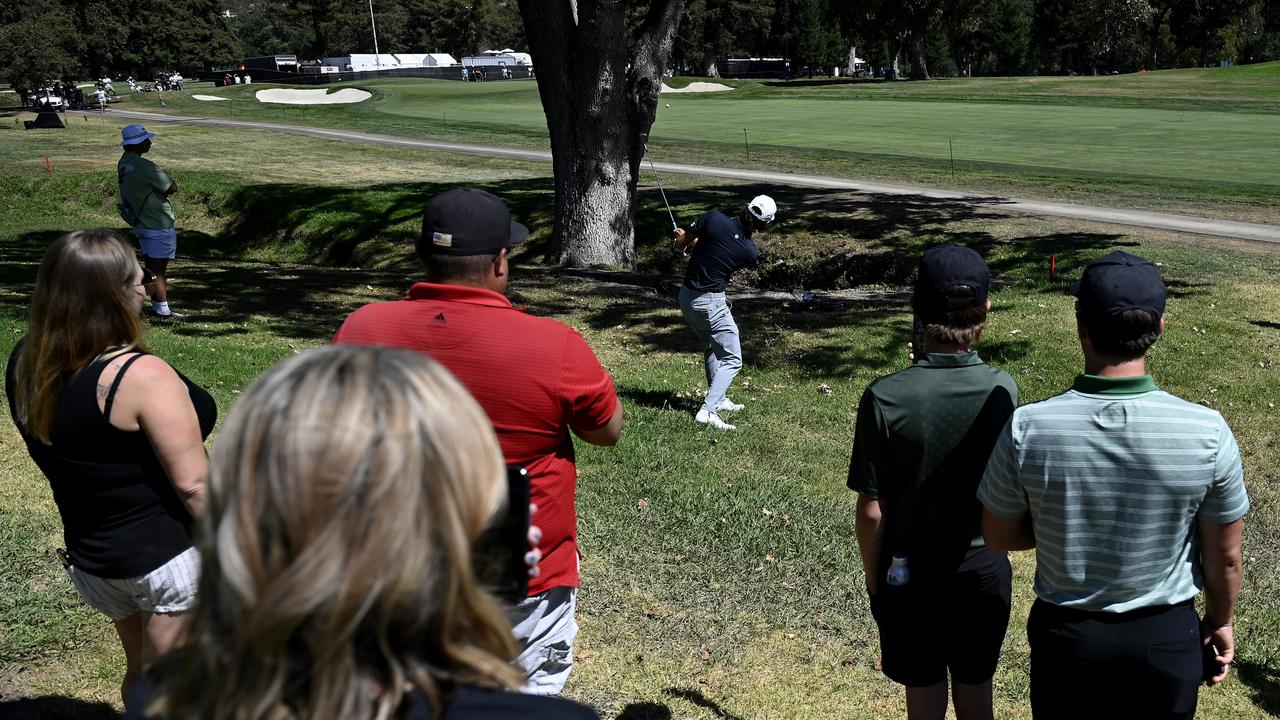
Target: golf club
{"type": "Point", "coordinates": [644, 142]}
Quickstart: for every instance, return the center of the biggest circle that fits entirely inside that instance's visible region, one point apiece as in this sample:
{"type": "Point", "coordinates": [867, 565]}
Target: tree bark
{"type": "Point", "coordinates": [919, 70]}
{"type": "Point", "coordinates": [850, 61]}
{"type": "Point", "coordinates": [709, 66]}
{"type": "Point", "coordinates": [1153, 35]}
{"type": "Point", "coordinates": [599, 86]}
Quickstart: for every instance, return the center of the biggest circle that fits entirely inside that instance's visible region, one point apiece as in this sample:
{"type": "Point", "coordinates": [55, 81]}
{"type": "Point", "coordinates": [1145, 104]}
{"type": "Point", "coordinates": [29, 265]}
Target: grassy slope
{"type": "Point", "coordinates": [721, 576]}
{"type": "Point", "coordinates": [1198, 140]}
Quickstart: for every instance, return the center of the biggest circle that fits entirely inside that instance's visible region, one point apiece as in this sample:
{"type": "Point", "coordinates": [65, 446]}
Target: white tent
{"type": "Point", "coordinates": [360, 62]}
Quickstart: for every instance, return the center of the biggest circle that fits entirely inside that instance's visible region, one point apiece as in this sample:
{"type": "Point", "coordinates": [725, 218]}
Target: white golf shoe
{"type": "Point", "coordinates": [709, 418]}
{"type": "Point", "coordinates": [728, 405]}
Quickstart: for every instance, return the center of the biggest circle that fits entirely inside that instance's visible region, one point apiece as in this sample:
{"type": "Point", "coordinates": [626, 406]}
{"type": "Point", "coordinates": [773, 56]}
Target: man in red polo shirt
{"type": "Point", "coordinates": [536, 378]}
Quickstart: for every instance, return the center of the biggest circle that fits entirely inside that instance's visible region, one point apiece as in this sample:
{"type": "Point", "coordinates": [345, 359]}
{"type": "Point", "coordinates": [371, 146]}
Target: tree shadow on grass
{"type": "Point", "coordinates": [56, 707]}
{"type": "Point", "coordinates": [1263, 682]}
{"type": "Point", "coordinates": [847, 240]}
{"type": "Point", "coordinates": [305, 303]}
{"type": "Point", "coordinates": [696, 697]}
{"type": "Point", "coordinates": [345, 226]}
{"type": "Point", "coordinates": [859, 239]}
{"type": "Point", "coordinates": [1267, 324]}
{"type": "Point", "coordinates": [645, 711]}
{"type": "Point", "coordinates": [659, 399]}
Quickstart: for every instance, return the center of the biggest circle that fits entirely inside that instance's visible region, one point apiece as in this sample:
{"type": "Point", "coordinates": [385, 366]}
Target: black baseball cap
{"type": "Point", "coordinates": [947, 266]}
{"type": "Point", "coordinates": [1117, 282]}
{"type": "Point", "coordinates": [467, 221]}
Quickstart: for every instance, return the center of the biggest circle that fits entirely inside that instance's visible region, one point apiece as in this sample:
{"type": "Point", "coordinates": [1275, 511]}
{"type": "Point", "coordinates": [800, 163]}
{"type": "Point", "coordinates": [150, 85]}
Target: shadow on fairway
{"type": "Point", "coordinates": [1264, 685]}
{"type": "Point", "coordinates": [696, 697]}
{"type": "Point", "coordinates": [56, 707]}
{"type": "Point", "coordinates": [836, 239]}
{"type": "Point", "coordinates": [336, 226]}
{"type": "Point", "coordinates": [1267, 324]}
{"type": "Point", "coordinates": [826, 239]}
{"type": "Point", "coordinates": [645, 711]}
{"type": "Point", "coordinates": [660, 399]}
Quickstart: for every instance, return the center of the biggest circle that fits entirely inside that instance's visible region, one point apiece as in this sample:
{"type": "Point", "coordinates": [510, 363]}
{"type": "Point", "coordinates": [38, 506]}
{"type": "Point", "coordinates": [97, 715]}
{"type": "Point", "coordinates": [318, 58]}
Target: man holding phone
{"type": "Point", "coordinates": [1134, 501]}
{"type": "Point", "coordinates": [537, 380]}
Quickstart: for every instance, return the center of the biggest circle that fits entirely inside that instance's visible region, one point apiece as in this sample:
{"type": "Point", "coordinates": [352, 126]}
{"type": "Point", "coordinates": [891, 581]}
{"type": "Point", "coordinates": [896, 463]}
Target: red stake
{"type": "Point", "coordinates": [47, 167]}
{"type": "Point", "coordinates": [1053, 267]}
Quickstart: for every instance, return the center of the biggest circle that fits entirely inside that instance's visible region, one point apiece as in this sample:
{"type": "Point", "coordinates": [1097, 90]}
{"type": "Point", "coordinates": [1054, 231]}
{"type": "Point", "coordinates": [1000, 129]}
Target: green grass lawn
{"type": "Point", "coordinates": [721, 576]}
{"type": "Point", "coordinates": [1199, 141]}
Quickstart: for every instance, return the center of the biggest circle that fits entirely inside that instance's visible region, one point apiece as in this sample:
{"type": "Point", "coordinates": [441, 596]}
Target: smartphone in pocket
{"type": "Point", "coordinates": [1212, 668]}
{"type": "Point", "coordinates": [498, 555]}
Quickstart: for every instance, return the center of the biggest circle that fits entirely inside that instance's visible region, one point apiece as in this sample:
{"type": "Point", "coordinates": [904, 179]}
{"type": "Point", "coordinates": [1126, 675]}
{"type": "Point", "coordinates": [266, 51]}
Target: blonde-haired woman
{"type": "Point", "coordinates": [346, 491]}
{"type": "Point", "coordinates": [120, 436]}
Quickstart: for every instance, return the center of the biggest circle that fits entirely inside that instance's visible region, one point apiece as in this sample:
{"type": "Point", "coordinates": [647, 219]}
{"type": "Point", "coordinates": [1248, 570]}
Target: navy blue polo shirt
{"type": "Point", "coordinates": [724, 247]}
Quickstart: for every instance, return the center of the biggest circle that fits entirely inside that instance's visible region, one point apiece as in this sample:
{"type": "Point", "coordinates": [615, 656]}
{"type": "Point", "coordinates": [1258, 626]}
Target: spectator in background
{"type": "Point", "coordinates": [120, 436]}
{"type": "Point", "coordinates": [346, 492]}
{"type": "Point", "coordinates": [145, 189]}
{"type": "Point", "coordinates": [1134, 501]}
{"type": "Point", "coordinates": [24, 94]}
{"type": "Point", "coordinates": [923, 435]}
{"type": "Point", "coordinates": [537, 380]}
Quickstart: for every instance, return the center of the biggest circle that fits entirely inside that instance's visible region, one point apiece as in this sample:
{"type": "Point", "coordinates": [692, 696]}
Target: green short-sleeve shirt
{"type": "Point", "coordinates": [921, 443]}
{"type": "Point", "coordinates": [142, 185]}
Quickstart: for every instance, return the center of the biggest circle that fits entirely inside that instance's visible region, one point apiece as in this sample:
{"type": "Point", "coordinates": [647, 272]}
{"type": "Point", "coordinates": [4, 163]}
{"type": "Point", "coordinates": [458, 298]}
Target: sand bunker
{"type": "Point", "coordinates": [208, 97]}
{"type": "Point", "coordinates": [696, 87]}
{"type": "Point", "coordinates": [312, 97]}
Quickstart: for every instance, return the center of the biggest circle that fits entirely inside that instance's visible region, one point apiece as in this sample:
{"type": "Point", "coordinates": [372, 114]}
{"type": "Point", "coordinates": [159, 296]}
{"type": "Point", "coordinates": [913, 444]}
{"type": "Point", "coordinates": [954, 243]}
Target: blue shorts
{"type": "Point", "coordinates": [158, 244]}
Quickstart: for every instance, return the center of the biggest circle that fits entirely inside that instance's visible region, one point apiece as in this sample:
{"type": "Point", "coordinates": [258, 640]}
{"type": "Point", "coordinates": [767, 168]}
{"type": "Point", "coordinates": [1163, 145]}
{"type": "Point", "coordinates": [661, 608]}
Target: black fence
{"type": "Point", "coordinates": [476, 74]}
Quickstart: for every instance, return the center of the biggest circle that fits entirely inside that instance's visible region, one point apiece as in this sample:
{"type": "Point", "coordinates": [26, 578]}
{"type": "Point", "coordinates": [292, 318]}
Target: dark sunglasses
{"type": "Point", "coordinates": [148, 278]}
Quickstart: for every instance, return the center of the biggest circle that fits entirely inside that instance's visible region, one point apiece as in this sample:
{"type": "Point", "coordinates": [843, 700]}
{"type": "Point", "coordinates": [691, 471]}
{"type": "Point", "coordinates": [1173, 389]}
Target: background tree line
{"type": "Point", "coordinates": [923, 38]}
{"type": "Point", "coordinates": [918, 38]}
{"type": "Point", "coordinates": [47, 39]}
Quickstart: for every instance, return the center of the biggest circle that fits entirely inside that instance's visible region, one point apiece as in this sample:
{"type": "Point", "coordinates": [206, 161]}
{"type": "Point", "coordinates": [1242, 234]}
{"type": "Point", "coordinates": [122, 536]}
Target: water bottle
{"type": "Point", "coordinates": [898, 572]}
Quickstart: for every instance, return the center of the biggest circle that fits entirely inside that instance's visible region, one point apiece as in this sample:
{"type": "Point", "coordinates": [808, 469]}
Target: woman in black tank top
{"type": "Point", "coordinates": [120, 436]}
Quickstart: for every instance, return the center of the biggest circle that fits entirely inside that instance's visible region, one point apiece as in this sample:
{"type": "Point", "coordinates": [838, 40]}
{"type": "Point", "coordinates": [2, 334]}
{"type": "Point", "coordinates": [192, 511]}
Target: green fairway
{"type": "Point", "coordinates": [1199, 141]}
{"type": "Point", "coordinates": [720, 574]}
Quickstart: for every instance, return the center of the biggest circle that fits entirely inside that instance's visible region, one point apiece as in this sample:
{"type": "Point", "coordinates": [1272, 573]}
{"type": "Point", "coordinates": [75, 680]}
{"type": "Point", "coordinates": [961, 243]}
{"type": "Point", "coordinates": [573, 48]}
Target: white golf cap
{"type": "Point", "coordinates": [762, 208]}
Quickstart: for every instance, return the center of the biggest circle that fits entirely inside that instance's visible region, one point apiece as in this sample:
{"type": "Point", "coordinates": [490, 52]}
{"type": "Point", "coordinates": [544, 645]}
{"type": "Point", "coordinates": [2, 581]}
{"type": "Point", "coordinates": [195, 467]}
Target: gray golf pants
{"type": "Point", "coordinates": [709, 316]}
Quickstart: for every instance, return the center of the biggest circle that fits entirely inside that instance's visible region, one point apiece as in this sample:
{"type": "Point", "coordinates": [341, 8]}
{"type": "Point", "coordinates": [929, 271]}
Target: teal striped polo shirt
{"type": "Point", "coordinates": [1115, 473]}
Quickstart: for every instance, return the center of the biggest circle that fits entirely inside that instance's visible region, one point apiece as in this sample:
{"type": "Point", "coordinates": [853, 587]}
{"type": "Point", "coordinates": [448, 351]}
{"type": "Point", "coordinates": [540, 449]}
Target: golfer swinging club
{"type": "Point", "coordinates": [721, 245]}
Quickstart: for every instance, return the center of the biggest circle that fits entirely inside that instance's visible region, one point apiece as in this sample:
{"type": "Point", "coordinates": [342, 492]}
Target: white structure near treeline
{"type": "Point", "coordinates": [498, 58]}
{"type": "Point", "coordinates": [388, 61]}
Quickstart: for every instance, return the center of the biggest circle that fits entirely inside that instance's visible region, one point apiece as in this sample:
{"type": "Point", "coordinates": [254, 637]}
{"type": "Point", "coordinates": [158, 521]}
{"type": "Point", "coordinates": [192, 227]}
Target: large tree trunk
{"type": "Point", "coordinates": [919, 70]}
{"type": "Point", "coordinates": [850, 61]}
{"type": "Point", "coordinates": [1153, 35]}
{"type": "Point", "coordinates": [709, 66]}
{"type": "Point", "coordinates": [599, 85]}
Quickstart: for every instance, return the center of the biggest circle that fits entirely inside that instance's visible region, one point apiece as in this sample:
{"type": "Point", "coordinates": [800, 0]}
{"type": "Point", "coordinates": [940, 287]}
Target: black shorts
{"type": "Point", "coordinates": [951, 616]}
{"type": "Point", "coordinates": [1141, 664]}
